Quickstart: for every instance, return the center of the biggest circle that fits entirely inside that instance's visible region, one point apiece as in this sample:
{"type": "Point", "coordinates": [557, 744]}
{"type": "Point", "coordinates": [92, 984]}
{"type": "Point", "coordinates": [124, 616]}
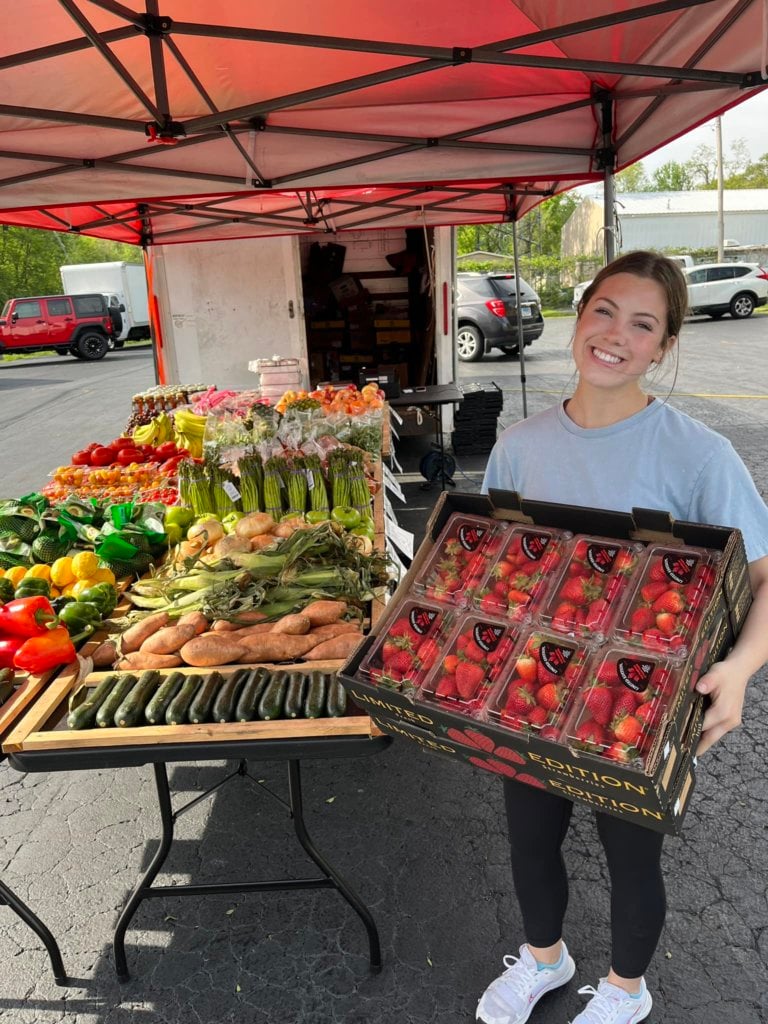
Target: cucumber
{"type": "Point", "coordinates": [176, 712]}
{"type": "Point", "coordinates": [336, 698]}
{"type": "Point", "coordinates": [294, 695]}
{"type": "Point", "coordinates": [154, 712]}
{"type": "Point", "coordinates": [271, 703]}
{"type": "Point", "coordinates": [131, 711]}
{"type": "Point", "coordinates": [105, 716]}
{"type": "Point", "coordinates": [250, 695]}
{"type": "Point", "coordinates": [84, 715]}
{"type": "Point", "coordinates": [314, 702]}
{"type": "Point", "coordinates": [226, 699]}
{"type": "Point", "coordinates": [200, 708]}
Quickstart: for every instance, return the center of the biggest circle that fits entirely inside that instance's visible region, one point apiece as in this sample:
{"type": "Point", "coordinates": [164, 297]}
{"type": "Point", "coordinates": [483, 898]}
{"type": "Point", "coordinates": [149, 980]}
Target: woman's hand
{"type": "Point", "coordinates": [726, 691]}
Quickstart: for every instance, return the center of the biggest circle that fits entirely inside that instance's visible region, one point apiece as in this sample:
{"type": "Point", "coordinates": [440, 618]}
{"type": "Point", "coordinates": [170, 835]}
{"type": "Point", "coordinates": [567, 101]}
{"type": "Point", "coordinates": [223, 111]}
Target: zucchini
{"type": "Point", "coordinates": [250, 695]}
{"type": "Point", "coordinates": [105, 716]}
{"type": "Point", "coordinates": [271, 703]}
{"type": "Point", "coordinates": [314, 702]}
{"type": "Point", "coordinates": [226, 699]}
{"type": "Point", "coordinates": [200, 708]}
{"type": "Point", "coordinates": [176, 712]}
{"type": "Point", "coordinates": [131, 711]}
{"type": "Point", "coordinates": [154, 712]}
{"type": "Point", "coordinates": [294, 695]}
{"type": "Point", "coordinates": [336, 698]}
{"type": "Point", "coordinates": [84, 715]}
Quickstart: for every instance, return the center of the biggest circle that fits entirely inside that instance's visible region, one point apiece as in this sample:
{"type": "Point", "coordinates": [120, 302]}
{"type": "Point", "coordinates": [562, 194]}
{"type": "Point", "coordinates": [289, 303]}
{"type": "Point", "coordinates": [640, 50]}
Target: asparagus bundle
{"type": "Point", "coordinates": [318, 493]}
{"type": "Point", "coordinates": [273, 488]}
{"type": "Point", "coordinates": [194, 489]}
{"type": "Point", "coordinates": [348, 481]}
{"type": "Point", "coordinates": [251, 483]}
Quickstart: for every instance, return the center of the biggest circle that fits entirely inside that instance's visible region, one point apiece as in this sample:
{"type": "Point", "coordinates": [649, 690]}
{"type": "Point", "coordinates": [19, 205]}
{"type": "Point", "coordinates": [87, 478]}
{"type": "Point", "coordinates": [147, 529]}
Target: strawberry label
{"type": "Point", "coordinates": [533, 545]}
{"type": "Point", "coordinates": [421, 620]}
{"type": "Point", "coordinates": [555, 657]}
{"type": "Point", "coordinates": [470, 536]}
{"type": "Point", "coordinates": [635, 673]}
{"type": "Point", "coordinates": [487, 636]}
{"type": "Point", "coordinates": [601, 557]}
{"type": "Point", "coordinates": [679, 568]}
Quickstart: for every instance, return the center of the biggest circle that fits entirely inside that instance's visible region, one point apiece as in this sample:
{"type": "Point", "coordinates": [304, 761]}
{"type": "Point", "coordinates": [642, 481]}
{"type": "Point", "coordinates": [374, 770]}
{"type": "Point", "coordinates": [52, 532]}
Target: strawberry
{"type": "Point", "coordinates": [651, 591]}
{"type": "Point", "coordinates": [526, 667]}
{"type": "Point", "coordinates": [450, 661]}
{"type": "Point", "coordinates": [428, 651]}
{"type": "Point", "coordinates": [550, 732]}
{"type": "Point", "coordinates": [624, 563]}
{"type": "Point", "coordinates": [596, 613]}
{"type": "Point", "coordinates": [654, 639]}
{"type": "Point", "coordinates": [591, 733]}
{"type": "Point", "coordinates": [580, 551]}
{"type": "Point", "coordinates": [550, 696]}
{"type": "Point", "coordinates": [519, 701]}
{"type": "Point", "coordinates": [579, 590]}
{"type": "Point", "coordinates": [538, 716]}
{"type": "Point", "coordinates": [624, 704]}
{"type": "Point", "coordinates": [401, 627]}
{"type": "Point", "coordinates": [599, 702]}
{"type": "Point", "coordinates": [670, 601]}
{"type": "Point", "coordinates": [518, 597]}
{"type": "Point", "coordinates": [469, 676]}
{"type": "Point", "coordinates": [620, 752]}
{"type": "Point", "coordinates": [646, 714]}
{"type": "Point", "coordinates": [509, 754]}
{"type": "Point", "coordinates": [446, 687]}
{"type": "Point", "coordinates": [657, 572]}
{"type": "Point", "coordinates": [627, 729]}
{"type": "Point", "coordinates": [502, 570]}
{"type": "Point", "coordinates": [478, 739]}
{"type": "Point", "coordinates": [608, 673]}
{"type": "Point", "coordinates": [543, 675]}
{"type": "Point", "coordinates": [490, 603]}
{"type": "Point", "coordinates": [666, 623]}
{"type": "Point", "coordinates": [473, 652]}
{"type": "Point", "coordinates": [642, 618]}
{"type": "Point", "coordinates": [401, 661]}
{"type": "Point", "coordinates": [529, 780]}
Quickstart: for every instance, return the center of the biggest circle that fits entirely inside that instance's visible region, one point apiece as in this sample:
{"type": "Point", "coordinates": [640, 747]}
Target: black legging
{"type": "Point", "coordinates": [538, 823]}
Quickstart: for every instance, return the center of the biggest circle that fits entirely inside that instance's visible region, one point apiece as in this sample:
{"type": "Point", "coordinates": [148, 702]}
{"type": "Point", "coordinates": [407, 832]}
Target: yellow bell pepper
{"type": "Point", "coordinates": [40, 571]}
{"type": "Point", "coordinates": [84, 565]}
{"type": "Point", "coordinates": [61, 572]}
{"type": "Point", "coordinates": [16, 574]}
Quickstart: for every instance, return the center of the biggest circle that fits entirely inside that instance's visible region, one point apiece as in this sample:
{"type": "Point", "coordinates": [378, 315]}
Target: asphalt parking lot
{"type": "Point", "coordinates": [421, 840]}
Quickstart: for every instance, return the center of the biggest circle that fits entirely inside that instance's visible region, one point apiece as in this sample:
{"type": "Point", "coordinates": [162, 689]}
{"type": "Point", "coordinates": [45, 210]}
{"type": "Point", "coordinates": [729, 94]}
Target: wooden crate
{"type": "Point", "coordinates": [26, 692]}
{"type": "Point", "coordinates": [43, 727]}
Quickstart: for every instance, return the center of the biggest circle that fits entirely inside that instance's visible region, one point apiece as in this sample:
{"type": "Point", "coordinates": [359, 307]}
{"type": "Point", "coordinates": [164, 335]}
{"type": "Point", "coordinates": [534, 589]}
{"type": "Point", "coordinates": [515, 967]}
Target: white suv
{"type": "Point", "coordinates": [720, 288]}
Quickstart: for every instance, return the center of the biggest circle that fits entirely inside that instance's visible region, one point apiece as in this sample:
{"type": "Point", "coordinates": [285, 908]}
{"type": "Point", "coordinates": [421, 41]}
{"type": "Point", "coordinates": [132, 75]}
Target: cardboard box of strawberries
{"type": "Point", "coordinates": [558, 646]}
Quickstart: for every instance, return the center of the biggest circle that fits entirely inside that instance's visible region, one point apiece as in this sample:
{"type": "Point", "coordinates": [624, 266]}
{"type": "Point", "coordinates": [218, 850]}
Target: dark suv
{"type": "Point", "coordinates": [78, 325]}
{"type": "Point", "coordinates": [487, 317]}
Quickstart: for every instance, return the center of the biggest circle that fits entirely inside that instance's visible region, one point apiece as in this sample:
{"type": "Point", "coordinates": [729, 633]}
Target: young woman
{"type": "Point", "coordinates": [613, 446]}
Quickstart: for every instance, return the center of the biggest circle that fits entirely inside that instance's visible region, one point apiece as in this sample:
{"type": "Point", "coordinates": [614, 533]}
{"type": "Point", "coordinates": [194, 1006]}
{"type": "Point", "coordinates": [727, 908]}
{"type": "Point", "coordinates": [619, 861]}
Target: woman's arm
{"type": "Point", "coordinates": [726, 682]}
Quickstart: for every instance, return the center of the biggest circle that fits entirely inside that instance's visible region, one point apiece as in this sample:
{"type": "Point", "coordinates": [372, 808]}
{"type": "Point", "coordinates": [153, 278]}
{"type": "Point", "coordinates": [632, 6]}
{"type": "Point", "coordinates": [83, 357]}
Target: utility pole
{"type": "Point", "coordinates": [720, 216]}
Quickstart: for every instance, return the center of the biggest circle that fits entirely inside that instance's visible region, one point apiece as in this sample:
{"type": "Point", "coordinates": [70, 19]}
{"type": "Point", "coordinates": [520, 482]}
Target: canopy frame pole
{"type": "Point", "coordinates": [511, 215]}
{"type": "Point", "coordinates": [606, 157]}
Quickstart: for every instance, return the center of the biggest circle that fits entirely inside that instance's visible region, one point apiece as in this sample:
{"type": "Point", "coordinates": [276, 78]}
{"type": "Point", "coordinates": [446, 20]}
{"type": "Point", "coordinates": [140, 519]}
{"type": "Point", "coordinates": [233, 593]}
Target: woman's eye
{"type": "Point", "coordinates": [602, 309]}
{"type": "Point", "coordinates": [645, 327]}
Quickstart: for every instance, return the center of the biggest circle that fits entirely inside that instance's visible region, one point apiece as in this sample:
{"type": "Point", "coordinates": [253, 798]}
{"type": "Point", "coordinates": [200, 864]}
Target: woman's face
{"type": "Point", "coordinates": [620, 331]}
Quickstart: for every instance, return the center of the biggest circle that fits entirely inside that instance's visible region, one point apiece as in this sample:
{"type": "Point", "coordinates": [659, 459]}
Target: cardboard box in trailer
{"type": "Point", "coordinates": [124, 286]}
{"type": "Point", "coordinates": [224, 304]}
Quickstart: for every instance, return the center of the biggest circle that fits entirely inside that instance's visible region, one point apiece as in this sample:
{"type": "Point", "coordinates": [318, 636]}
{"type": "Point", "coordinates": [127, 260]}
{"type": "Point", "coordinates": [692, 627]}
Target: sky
{"type": "Point", "coordinates": [748, 121]}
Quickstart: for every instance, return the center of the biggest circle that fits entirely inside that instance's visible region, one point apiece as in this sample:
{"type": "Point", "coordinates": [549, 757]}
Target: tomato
{"type": "Point", "coordinates": [81, 458]}
{"type": "Point", "coordinates": [122, 442]}
{"type": "Point", "coordinates": [167, 450]}
{"type": "Point", "coordinates": [128, 455]}
{"type": "Point", "coordinates": [170, 467]}
{"type": "Point", "coordinates": [102, 456]}
{"type": "Point", "coordinates": [153, 456]}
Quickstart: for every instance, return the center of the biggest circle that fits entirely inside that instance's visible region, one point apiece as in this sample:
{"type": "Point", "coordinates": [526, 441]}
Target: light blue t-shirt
{"type": "Point", "coordinates": [659, 458]}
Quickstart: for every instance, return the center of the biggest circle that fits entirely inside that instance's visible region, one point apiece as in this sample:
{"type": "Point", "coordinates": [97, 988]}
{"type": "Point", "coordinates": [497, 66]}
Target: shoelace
{"type": "Point", "coordinates": [602, 1008]}
{"type": "Point", "coordinates": [518, 976]}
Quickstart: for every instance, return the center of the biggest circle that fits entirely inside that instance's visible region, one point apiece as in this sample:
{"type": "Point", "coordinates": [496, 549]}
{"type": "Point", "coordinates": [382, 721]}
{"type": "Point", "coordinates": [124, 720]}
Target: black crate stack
{"type": "Point", "coordinates": [476, 418]}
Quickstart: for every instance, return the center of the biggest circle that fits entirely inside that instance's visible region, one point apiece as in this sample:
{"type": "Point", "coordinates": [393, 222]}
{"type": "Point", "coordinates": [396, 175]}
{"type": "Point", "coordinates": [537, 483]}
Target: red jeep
{"type": "Point", "coordinates": [78, 325]}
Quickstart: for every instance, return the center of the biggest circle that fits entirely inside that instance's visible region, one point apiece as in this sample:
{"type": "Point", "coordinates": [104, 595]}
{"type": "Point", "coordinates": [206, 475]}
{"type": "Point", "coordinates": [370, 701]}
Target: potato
{"type": "Point", "coordinates": [323, 613]}
{"type": "Point", "coordinates": [168, 640]}
{"type": "Point", "coordinates": [264, 541]}
{"type": "Point", "coordinates": [337, 647]}
{"type": "Point", "coordinates": [211, 649]}
{"type": "Point", "coordinates": [134, 636]}
{"type": "Point", "coordinates": [254, 525]}
{"type": "Point", "coordinates": [230, 543]}
{"type": "Point", "coordinates": [294, 625]}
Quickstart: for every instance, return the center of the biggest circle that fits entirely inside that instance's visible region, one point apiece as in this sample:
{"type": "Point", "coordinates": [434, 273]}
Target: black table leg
{"type": "Point", "coordinates": [9, 897]}
{"type": "Point", "coordinates": [297, 814]}
{"type": "Point", "coordinates": [141, 891]}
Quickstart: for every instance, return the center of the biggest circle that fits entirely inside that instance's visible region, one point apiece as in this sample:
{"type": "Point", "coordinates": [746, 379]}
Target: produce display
{"type": "Point", "coordinates": [459, 560]}
{"type": "Point", "coordinates": [589, 592]}
{"type": "Point", "coordinates": [125, 699]}
{"type": "Point", "coordinates": [666, 606]}
{"type": "Point", "coordinates": [471, 661]}
{"type": "Point", "coordinates": [619, 709]}
{"type": "Point", "coordinates": [544, 677]}
{"type": "Point", "coordinates": [408, 646]}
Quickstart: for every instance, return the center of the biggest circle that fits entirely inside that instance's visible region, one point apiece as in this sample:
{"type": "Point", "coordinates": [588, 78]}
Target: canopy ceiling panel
{"type": "Point", "coordinates": [143, 99]}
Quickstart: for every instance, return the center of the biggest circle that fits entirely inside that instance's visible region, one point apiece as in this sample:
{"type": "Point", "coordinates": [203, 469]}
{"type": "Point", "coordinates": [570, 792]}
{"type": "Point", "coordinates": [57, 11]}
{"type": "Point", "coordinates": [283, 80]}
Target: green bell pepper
{"type": "Point", "coordinates": [79, 615]}
{"type": "Point", "coordinates": [103, 595]}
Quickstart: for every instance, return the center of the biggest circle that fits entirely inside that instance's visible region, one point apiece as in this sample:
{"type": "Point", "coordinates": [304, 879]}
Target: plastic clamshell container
{"type": "Point", "coordinates": [668, 600]}
{"type": "Point", "coordinates": [592, 586]}
{"type": "Point", "coordinates": [534, 696]}
{"type": "Point", "coordinates": [459, 559]}
{"type": "Point", "coordinates": [621, 707]}
{"type": "Point", "coordinates": [475, 655]}
{"type": "Point", "coordinates": [519, 580]}
{"type": "Point", "coordinates": [408, 645]}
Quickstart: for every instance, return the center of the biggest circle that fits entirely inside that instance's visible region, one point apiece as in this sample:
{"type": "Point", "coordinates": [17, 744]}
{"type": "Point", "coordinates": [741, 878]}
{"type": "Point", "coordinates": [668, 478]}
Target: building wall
{"type": "Point", "coordinates": [581, 234]}
{"type": "Point", "coordinates": [691, 230]}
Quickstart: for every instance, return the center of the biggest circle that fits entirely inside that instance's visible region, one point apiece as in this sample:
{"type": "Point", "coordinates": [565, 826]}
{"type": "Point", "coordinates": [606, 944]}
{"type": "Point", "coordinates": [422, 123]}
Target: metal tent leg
{"type": "Point", "coordinates": [9, 897]}
{"type": "Point", "coordinates": [297, 814]}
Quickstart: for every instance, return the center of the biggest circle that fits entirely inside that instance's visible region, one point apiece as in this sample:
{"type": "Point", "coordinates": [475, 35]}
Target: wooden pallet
{"type": "Point", "coordinates": [43, 727]}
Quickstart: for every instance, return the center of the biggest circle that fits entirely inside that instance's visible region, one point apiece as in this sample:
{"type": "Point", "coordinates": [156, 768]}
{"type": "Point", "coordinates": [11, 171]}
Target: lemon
{"type": "Point", "coordinates": [84, 565]}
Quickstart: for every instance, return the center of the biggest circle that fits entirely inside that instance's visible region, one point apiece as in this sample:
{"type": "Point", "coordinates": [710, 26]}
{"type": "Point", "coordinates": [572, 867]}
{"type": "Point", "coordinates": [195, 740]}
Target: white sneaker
{"type": "Point", "coordinates": [612, 1005]}
{"type": "Point", "coordinates": [510, 999]}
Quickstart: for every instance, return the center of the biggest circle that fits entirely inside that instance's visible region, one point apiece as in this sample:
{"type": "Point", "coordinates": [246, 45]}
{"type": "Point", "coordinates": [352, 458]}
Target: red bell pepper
{"type": "Point", "coordinates": [27, 616]}
{"type": "Point", "coordinates": [8, 647]}
{"type": "Point", "coordinates": [39, 653]}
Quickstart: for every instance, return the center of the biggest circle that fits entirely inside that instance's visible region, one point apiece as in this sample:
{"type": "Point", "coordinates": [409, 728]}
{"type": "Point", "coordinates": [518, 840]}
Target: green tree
{"type": "Point", "coordinates": [672, 177]}
{"type": "Point", "coordinates": [538, 231]}
{"type": "Point", "coordinates": [754, 175]}
{"type": "Point", "coordinates": [632, 179]}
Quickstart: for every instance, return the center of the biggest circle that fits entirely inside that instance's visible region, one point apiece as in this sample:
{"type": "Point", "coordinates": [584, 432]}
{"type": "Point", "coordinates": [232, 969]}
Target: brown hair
{"type": "Point", "coordinates": [656, 268]}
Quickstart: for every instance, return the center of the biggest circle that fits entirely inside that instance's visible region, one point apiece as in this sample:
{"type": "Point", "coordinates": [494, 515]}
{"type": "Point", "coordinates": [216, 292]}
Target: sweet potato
{"type": "Point", "coordinates": [168, 640]}
{"type": "Point", "coordinates": [142, 660]}
{"type": "Point", "coordinates": [274, 647]}
{"type": "Point", "coordinates": [135, 636]}
{"type": "Point", "coordinates": [196, 619]}
{"type": "Point", "coordinates": [337, 647]}
{"type": "Point", "coordinates": [255, 630]}
{"type": "Point", "coordinates": [323, 613]}
{"type": "Point", "coordinates": [321, 633]}
{"type": "Point", "coordinates": [293, 625]}
{"type": "Point", "coordinates": [105, 654]}
{"type": "Point", "coordinates": [211, 649]}
{"type": "Point", "coordinates": [247, 618]}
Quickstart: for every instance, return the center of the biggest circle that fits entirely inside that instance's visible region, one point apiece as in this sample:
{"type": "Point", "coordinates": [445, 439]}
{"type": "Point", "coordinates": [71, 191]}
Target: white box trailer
{"type": "Point", "coordinates": [224, 304]}
{"type": "Point", "coordinates": [124, 285]}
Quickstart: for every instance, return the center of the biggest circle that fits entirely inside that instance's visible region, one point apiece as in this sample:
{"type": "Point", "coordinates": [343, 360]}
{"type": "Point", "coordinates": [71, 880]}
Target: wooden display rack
{"type": "Point", "coordinates": [43, 727]}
